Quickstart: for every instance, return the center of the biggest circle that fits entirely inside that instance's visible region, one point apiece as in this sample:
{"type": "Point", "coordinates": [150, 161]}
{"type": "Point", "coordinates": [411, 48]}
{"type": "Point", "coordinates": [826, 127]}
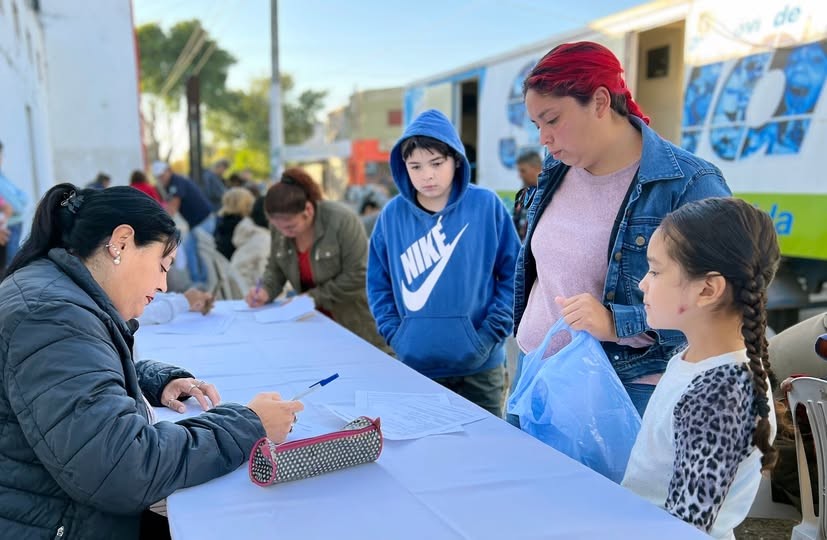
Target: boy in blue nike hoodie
{"type": "Point", "coordinates": [441, 266]}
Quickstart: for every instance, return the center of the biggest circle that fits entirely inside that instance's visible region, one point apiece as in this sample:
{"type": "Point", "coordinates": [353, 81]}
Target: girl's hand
{"type": "Point", "coordinates": [585, 312]}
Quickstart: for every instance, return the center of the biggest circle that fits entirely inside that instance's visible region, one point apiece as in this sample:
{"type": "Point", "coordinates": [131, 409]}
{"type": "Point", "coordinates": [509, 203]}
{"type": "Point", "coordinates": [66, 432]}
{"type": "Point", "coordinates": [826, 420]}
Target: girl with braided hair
{"type": "Point", "coordinates": [707, 434]}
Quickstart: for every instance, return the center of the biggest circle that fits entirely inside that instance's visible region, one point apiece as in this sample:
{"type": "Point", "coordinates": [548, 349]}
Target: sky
{"type": "Point", "coordinates": [342, 47]}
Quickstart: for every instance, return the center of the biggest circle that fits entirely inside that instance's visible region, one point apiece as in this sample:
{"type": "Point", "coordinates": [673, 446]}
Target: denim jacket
{"type": "Point", "coordinates": [668, 177]}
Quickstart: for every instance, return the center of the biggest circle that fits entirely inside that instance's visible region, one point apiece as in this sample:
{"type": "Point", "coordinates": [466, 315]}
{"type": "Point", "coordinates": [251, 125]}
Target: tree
{"type": "Point", "coordinates": [244, 123]}
{"type": "Point", "coordinates": [300, 117]}
{"type": "Point", "coordinates": [159, 51]}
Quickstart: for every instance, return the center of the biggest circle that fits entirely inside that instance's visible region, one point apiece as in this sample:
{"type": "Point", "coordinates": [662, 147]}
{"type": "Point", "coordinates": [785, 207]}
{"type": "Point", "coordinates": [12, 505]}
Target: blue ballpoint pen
{"type": "Point", "coordinates": [315, 386]}
{"type": "Point", "coordinates": [255, 292]}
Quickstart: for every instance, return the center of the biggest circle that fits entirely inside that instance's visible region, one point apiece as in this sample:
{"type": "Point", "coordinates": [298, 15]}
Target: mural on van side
{"type": "Point", "coordinates": [527, 137]}
{"type": "Point", "coordinates": [763, 105]}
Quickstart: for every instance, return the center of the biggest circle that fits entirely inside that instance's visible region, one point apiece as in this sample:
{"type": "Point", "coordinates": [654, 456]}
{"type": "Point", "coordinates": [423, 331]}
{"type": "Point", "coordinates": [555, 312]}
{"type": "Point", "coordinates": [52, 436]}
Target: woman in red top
{"type": "Point", "coordinates": [139, 181]}
{"type": "Point", "coordinates": [320, 248]}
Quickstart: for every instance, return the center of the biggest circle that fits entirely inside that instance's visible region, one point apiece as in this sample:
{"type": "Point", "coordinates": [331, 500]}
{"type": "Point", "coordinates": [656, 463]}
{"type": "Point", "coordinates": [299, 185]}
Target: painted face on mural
{"type": "Point", "coordinates": [805, 71]}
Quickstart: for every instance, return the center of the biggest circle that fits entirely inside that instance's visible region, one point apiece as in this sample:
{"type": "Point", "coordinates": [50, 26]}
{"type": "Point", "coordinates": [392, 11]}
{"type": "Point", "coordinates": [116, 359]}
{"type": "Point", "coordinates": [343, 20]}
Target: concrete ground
{"type": "Point", "coordinates": [765, 529]}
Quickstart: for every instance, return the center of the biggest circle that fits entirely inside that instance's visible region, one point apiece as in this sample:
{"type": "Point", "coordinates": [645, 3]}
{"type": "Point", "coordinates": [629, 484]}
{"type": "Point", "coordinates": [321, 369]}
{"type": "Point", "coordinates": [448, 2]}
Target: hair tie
{"type": "Point", "coordinates": [288, 180]}
{"type": "Point", "coordinates": [72, 201]}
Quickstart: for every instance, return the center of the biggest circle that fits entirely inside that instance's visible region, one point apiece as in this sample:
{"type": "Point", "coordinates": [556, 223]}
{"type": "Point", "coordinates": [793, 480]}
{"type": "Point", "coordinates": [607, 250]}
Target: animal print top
{"type": "Point", "coordinates": [694, 454]}
{"type": "Point", "coordinates": [714, 423]}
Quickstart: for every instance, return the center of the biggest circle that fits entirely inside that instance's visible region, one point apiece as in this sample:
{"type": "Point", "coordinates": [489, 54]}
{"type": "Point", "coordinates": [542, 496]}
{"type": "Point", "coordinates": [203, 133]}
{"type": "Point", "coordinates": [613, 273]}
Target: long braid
{"type": "Point", "coordinates": [753, 299]}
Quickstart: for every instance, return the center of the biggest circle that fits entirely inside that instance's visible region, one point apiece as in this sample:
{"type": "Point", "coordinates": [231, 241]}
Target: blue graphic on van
{"type": "Point", "coordinates": [699, 92]}
{"type": "Point", "coordinates": [525, 137]}
{"type": "Point", "coordinates": [782, 219]}
{"type": "Point", "coordinates": [804, 68]}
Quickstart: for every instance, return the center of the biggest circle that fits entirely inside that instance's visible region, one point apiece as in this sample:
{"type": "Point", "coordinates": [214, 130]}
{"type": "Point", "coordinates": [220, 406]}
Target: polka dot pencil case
{"type": "Point", "coordinates": [359, 441]}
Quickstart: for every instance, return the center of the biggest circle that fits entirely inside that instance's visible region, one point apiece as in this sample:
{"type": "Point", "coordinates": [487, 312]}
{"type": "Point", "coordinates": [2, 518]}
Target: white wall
{"type": "Point", "coordinates": [24, 122]}
{"type": "Point", "coordinates": [93, 89]}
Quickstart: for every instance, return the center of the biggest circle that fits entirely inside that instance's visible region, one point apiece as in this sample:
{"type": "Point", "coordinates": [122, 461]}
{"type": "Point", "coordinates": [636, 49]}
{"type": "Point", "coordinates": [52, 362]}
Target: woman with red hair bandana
{"type": "Point", "coordinates": [607, 181]}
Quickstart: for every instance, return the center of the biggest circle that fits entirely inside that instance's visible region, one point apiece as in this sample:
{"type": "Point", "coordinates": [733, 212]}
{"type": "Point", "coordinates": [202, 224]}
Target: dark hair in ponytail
{"type": "Point", "coordinates": [731, 237]}
{"type": "Point", "coordinates": [80, 221]}
{"type": "Point", "coordinates": [291, 195]}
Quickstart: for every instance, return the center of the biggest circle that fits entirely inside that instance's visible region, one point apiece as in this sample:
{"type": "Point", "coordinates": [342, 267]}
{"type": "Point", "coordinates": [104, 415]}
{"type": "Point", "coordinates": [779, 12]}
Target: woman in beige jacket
{"type": "Point", "coordinates": [320, 248]}
{"type": "Point", "coordinates": [251, 239]}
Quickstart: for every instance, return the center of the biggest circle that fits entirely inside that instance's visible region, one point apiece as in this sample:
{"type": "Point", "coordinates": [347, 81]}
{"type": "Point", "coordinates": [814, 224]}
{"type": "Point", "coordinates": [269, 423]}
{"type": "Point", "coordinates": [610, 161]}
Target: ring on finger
{"type": "Point", "coordinates": [169, 403]}
{"type": "Point", "coordinates": [191, 387]}
{"type": "Point", "coordinates": [199, 383]}
{"type": "Point", "coordinates": [295, 419]}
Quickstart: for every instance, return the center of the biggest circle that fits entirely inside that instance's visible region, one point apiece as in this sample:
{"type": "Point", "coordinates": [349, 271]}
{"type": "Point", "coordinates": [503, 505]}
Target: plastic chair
{"type": "Point", "coordinates": [812, 394]}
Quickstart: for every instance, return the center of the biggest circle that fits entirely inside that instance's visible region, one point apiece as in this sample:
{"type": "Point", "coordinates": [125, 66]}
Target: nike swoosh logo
{"type": "Point", "coordinates": [415, 300]}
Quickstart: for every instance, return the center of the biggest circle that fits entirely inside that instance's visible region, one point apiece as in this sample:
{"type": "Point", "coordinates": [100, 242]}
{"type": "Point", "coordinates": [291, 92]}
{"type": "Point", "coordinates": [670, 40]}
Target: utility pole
{"type": "Point", "coordinates": [194, 128]}
{"type": "Point", "coordinates": [276, 119]}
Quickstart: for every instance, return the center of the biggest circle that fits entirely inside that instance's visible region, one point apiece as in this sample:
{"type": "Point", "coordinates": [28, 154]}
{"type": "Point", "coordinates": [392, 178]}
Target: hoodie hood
{"type": "Point", "coordinates": [434, 124]}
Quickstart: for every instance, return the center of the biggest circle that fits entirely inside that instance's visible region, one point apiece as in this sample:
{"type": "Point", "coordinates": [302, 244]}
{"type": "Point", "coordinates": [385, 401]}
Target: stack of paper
{"type": "Point", "coordinates": [195, 323]}
{"type": "Point", "coordinates": [410, 416]}
{"type": "Point", "coordinates": [294, 308]}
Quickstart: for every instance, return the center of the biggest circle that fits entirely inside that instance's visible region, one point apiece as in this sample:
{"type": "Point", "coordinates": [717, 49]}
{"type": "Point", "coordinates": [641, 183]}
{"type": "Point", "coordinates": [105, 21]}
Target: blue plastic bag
{"type": "Point", "coordinates": [574, 402]}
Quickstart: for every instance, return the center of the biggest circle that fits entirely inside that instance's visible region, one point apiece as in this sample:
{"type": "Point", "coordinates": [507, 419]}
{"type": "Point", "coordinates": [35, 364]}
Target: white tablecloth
{"type": "Point", "coordinates": [490, 481]}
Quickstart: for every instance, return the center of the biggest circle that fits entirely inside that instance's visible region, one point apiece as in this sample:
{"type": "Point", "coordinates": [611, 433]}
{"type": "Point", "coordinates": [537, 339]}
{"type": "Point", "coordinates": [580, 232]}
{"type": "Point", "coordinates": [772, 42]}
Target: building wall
{"type": "Point", "coordinates": [660, 96]}
{"type": "Point", "coordinates": [24, 122]}
{"type": "Point", "coordinates": [371, 112]}
{"type": "Point", "coordinates": [93, 89]}
{"type": "Point", "coordinates": [68, 93]}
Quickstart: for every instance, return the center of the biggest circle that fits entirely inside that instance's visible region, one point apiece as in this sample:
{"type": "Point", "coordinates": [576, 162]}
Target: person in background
{"type": "Point", "coordinates": [441, 266]}
{"type": "Point", "coordinates": [212, 182]}
{"type": "Point", "coordinates": [81, 453]}
{"type": "Point", "coordinates": [607, 182]}
{"type": "Point", "coordinates": [5, 213]}
{"type": "Point", "coordinates": [101, 181]}
{"type": "Point", "coordinates": [320, 248]}
{"type": "Point", "coordinates": [529, 166]}
{"type": "Point", "coordinates": [165, 306]}
{"type": "Point", "coordinates": [707, 433]}
{"type": "Point", "coordinates": [19, 202]}
{"type": "Point", "coordinates": [139, 181]}
{"type": "Point", "coordinates": [792, 354]}
{"type": "Point", "coordinates": [185, 197]}
{"type": "Point", "coordinates": [251, 239]}
{"type": "Point", "coordinates": [236, 180]}
{"type": "Point", "coordinates": [236, 204]}
{"type": "Point", "coordinates": [369, 213]}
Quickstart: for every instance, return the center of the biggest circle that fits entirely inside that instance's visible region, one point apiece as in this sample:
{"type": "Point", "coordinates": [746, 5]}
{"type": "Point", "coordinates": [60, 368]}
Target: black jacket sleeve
{"type": "Point", "coordinates": [154, 376]}
{"type": "Point", "coordinates": [65, 384]}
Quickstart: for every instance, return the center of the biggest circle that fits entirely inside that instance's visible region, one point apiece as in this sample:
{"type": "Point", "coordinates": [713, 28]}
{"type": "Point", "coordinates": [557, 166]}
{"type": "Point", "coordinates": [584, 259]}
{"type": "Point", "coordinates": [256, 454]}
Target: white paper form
{"type": "Point", "coordinates": [241, 306]}
{"type": "Point", "coordinates": [196, 323]}
{"type": "Point", "coordinates": [294, 309]}
{"type": "Point", "coordinates": [366, 399]}
{"type": "Point", "coordinates": [405, 417]}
